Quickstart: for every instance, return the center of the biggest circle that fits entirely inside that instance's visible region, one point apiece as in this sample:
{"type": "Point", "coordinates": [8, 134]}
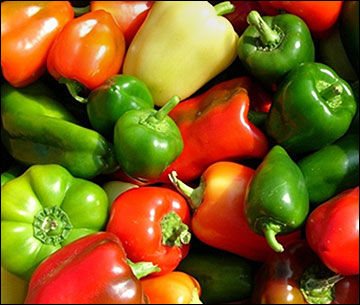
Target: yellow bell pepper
{"type": "Point", "coordinates": [181, 46]}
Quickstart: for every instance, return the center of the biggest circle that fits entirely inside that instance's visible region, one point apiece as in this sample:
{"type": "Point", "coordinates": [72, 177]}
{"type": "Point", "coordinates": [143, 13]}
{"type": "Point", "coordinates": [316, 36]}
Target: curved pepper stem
{"type": "Point", "coordinates": [142, 269]}
{"type": "Point", "coordinates": [174, 231]}
{"type": "Point", "coordinates": [74, 88]}
{"type": "Point", "coordinates": [331, 91]}
{"type": "Point", "coordinates": [165, 110]}
{"type": "Point", "coordinates": [224, 8]}
{"type": "Point", "coordinates": [79, 11]}
{"type": "Point", "coordinates": [270, 231]}
{"type": "Point", "coordinates": [267, 36]}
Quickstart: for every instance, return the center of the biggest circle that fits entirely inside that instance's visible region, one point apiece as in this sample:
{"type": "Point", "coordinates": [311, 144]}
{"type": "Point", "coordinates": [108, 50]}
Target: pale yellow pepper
{"type": "Point", "coordinates": [180, 47]}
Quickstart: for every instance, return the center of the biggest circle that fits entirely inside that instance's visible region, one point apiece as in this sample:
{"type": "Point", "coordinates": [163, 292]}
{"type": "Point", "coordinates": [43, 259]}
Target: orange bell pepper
{"type": "Point", "coordinates": [172, 288]}
{"type": "Point", "coordinates": [28, 29]}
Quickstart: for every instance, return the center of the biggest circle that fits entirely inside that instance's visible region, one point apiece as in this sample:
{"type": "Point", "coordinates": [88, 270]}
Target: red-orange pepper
{"type": "Point", "coordinates": [28, 29]}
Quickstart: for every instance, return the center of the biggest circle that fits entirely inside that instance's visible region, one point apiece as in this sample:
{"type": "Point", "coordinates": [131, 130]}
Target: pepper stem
{"type": "Point", "coordinates": [170, 105]}
{"type": "Point", "coordinates": [142, 269]}
{"type": "Point", "coordinates": [195, 297]}
{"type": "Point", "coordinates": [270, 231]}
{"type": "Point", "coordinates": [174, 231]}
{"type": "Point", "coordinates": [267, 36]}
{"type": "Point", "coordinates": [79, 11]}
{"type": "Point", "coordinates": [224, 8]}
{"type": "Point", "coordinates": [331, 91]}
{"type": "Point", "coordinates": [74, 88]}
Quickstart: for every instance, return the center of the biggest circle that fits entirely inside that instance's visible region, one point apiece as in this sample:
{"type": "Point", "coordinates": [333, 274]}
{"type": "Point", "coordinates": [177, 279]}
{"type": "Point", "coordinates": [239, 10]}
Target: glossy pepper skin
{"type": "Point", "coordinates": [172, 288]}
{"type": "Point", "coordinates": [332, 169]}
{"type": "Point", "coordinates": [11, 174]}
{"type": "Point", "coordinates": [172, 66]}
{"type": "Point", "coordinates": [272, 46]}
{"type": "Point", "coordinates": [223, 277]}
{"type": "Point", "coordinates": [147, 141]}
{"type": "Point", "coordinates": [129, 15]}
{"type": "Point", "coordinates": [92, 270]}
{"type": "Point", "coordinates": [215, 127]}
{"type": "Point", "coordinates": [39, 130]}
{"type": "Point", "coordinates": [43, 210]}
{"type": "Point", "coordinates": [276, 199]}
{"type": "Point", "coordinates": [312, 107]}
{"type": "Point", "coordinates": [332, 231]}
{"type": "Point", "coordinates": [28, 29]}
{"type": "Point", "coordinates": [117, 95]}
{"type": "Point", "coordinates": [152, 223]}
{"type": "Point", "coordinates": [218, 203]}
{"type": "Point", "coordinates": [88, 50]}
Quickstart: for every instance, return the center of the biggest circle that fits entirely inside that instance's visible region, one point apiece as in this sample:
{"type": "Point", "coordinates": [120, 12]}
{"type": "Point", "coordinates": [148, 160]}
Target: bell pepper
{"type": "Point", "coordinates": [318, 15]}
{"type": "Point", "coordinates": [313, 107]}
{"type": "Point", "coordinates": [332, 231]}
{"type": "Point", "coordinates": [129, 15]}
{"type": "Point", "coordinates": [13, 289]}
{"type": "Point", "coordinates": [115, 188]}
{"type": "Point", "coordinates": [332, 169]}
{"type": "Point", "coordinates": [117, 95]}
{"type": "Point", "coordinates": [43, 210]}
{"type": "Point", "coordinates": [172, 288]}
{"type": "Point", "coordinates": [223, 277]}
{"type": "Point", "coordinates": [87, 52]}
{"type": "Point", "coordinates": [147, 141]}
{"type": "Point", "coordinates": [218, 203]}
{"type": "Point", "coordinates": [11, 174]}
{"type": "Point", "coordinates": [354, 127]}
{"type": "Point", "coordinates": [152, 223]}
{"type": "Point", "coordinates": [349, 31]}
{"type": "Point", "coordinates": [180, 47]}
{"type": "Point", "coordinates": [272, 46]}
{"type": "Point", "coordinates": [28, 29]}
{"type": "Point", "coordinates": [215, 127]}
{"type": "Point", "coordinates": [92, 270]}
{"type": "Point", "coordinates": [276, 199]}
{"type": "Point", "coordinates": [39, 130]}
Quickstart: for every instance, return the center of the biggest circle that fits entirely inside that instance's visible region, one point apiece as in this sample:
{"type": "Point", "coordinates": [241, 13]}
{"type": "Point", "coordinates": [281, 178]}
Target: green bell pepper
{"type": "Point", "coordinates": [354, 127]}
{"type": "Point", "coordinates": [43, 210]}
{"type": "Point", "coordinates": [276, 199]}
{"type": "Point", "coordinates": [332, 169]}
{"type": "Point", "coordinates": [11, 174]}
{"type": "Point", "coordinates": [271, 46]}
{"type": "Point", "coordinates": [312, 108]}
{"type": "Point", "coordinates": [119, 94]}
{"type": "Point", "coordinates": [39, 130]}
{"type": "Point", "coordinates": [147, 141]}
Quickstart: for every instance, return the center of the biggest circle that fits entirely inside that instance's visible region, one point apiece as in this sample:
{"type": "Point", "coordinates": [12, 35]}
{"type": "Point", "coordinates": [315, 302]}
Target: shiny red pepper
{"type": "Point", "coordinates": [28, 29]}
{"type": "Point", "coordinates": [332, 231]}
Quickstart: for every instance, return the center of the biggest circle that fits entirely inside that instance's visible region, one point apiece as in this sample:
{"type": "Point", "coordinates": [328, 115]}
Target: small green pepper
{"type": "Point", "coordinates": [119, 94]}
{"type": "Point", "coordinates": [276, 199]}
{"type": "Point", "coordinates": [147, 141]}
{"type": "Point", "coordinates": [271, 46]}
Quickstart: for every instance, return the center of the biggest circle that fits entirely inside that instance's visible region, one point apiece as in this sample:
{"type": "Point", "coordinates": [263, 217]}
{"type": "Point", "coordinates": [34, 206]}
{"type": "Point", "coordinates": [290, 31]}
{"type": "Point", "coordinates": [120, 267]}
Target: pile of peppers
{"type": "Point", "coordinates": [179, 152]}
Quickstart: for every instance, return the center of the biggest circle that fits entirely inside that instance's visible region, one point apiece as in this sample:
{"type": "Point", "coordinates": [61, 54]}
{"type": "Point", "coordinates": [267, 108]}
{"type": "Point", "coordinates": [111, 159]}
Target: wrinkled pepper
{"type": "Point", "coordinates": [276, 199]}
{"type": "Point", "coordinates": [332, 231]}
{"type": "Point", "coordinates": [218, 204]}
{"type": "Point", "coordinates": [92, 270]}
{"type": "Point", "coordinates": [129, 15]}
{"type": "Point", "coordinates": [147, 141]}
{"type": "Point", "coordinates": [215, 127]}
{"type": "Point", "coordinates": [332, 169]}
{"type": "Point", "coordinates": [117, 95]}
{"type": "Point", "coordinates": [313, 107]}
{"type": "Point", "coordinates": [43, 210]}
{"type": "Point", "coordinates": [28, 29]}
{"type": "Point", "coordinates": [180, 47]}
{"type": "Point", "coordinates": [223, 277]}
{"type": "Point", "coordinates": [271, 46]}
{"type": "Point", "coordinates": [153, 225]}
{"type": "Point", "coordinates": [39, 130]}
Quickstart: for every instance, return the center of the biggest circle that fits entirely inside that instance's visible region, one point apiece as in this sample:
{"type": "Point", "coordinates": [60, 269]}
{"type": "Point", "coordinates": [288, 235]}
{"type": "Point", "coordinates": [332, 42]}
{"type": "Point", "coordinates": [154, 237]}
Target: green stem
{"type": "Point", "coordinates": [174, 231]}
{"type": "Point", "coordinates": [267, 36]}
{"type": "Point", "coordinates": [257, 118]}
{"type": "Point", "coordinates": [195, 297]}
{"type": "Point", "coordinates": [170, 105]}
{"type": "Point", "coordinates": [79, 11]}
{"type": "Point", "coordinates": [142, 269]}
{"type": "Point", "coordinates": [332, 91]}
{"type": "Point", "coordinates": [224, 8]}
{"type": "Point", "coordinates": [74, 88]}
{"type": "Point", "coordinates": [270, 232]}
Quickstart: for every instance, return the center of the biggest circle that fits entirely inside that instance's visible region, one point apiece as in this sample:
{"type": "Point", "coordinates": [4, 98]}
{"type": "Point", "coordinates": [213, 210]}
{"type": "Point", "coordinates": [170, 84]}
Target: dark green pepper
{"type": "Point", "coordinates": [276, 199]}
{"type": "Point", "coordinates": [119, 94]}
{"type": "Point", "coordinates": [332, 169]}
{"type": "Point", "coordinates": [11, 174]}
{"type": "Point", "coordinates": [39, 130]}
{"type": "Point", "coordinates": [270, 47]}
{"type": "Point", "coordinates": [147, 141]}
{"type": "Point", "coordinates": [223, 277]}
{"type": "Point", "coordinates": [312, 108]}
{"type": "Point", "coordinates": [354, 127]}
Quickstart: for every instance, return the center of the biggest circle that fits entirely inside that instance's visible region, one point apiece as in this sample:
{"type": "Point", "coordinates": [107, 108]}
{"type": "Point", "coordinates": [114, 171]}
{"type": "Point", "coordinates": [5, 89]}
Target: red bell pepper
{"type": "Point", "coordinates": [152, 223]}
{"type": "Point", "coordinates": [219, 218]}
{"type": "Point", "coordinates": [91, 270]}
{"type": "Point", "coordinates": [28, 29]}
{"type": "Point", "coordinates": [129, 15]}
{"type": "Point", "coordinates": [88, 50]}
{"type": "Point", "coordinates": [332, 231]}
